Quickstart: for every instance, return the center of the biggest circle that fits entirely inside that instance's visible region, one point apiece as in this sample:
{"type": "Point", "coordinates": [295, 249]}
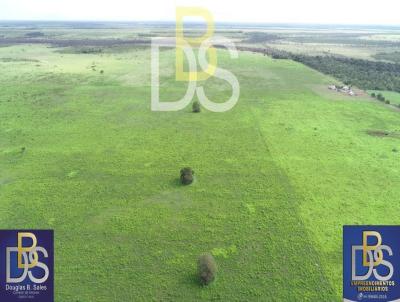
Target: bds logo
{"type": "Point", "coordinates": [26, 265]}
{"type": "Point", "coordinates": [371, 256]}
{"type": "Point", "coordinates": [200, 55]}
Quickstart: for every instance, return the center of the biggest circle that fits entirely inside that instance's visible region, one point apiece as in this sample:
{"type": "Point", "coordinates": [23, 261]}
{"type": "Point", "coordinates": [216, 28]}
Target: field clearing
{"type": "Point", "coordinates": [353, 51]}
{"type": "Point", "coordinates": [276, 177]}
{"type": "Point", "coordinates": [393, 97]}
{"type": "Point", "coordinates": [383, 37]}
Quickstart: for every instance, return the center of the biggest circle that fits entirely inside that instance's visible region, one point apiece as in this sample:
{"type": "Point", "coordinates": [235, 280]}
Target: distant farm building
{"type": "Point", "coordinates": [344, 89]}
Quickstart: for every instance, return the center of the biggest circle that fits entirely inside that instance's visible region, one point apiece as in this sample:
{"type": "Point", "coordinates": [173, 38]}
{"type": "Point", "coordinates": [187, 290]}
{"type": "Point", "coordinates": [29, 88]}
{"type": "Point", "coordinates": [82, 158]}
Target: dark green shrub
{"type": "Point", "coordinates": [373, 95]}
{"type": "Point", "coordinates": [187, 176]}
{"type": "Point", "coordinates": [34, 34]}
{"type": "Point", "coordinates": [196, 107]}
{"type": "Point", "coordinates": [101, 71]}
{"type": "Point", "coordinates": [207, 269]}
{"type": "Point", "coordinates": [380, 97]}
{"type": "Point", "coordinates": [387, 102]}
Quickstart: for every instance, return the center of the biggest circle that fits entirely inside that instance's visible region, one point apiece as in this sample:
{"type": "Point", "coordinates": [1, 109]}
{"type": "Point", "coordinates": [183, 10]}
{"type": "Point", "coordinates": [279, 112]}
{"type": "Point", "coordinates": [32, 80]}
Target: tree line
{"type": "Point", "coordinates": [365, 74]}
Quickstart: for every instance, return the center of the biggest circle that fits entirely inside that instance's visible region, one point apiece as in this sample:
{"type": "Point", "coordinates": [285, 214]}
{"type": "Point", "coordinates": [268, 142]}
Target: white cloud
{"type": "Point", "coordinates": [282, 11]}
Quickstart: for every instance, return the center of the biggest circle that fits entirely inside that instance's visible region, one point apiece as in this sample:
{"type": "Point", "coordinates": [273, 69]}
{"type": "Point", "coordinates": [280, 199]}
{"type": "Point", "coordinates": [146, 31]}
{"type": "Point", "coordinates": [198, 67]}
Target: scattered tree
{"type": "Point", "coordinates": [207, 269]}
{"type": "Point", "coordinates": [187, 176]}
{"type": "Point", "coordinates": [380, 97]}
{"type": "Point", "coordinates": [196, 107]}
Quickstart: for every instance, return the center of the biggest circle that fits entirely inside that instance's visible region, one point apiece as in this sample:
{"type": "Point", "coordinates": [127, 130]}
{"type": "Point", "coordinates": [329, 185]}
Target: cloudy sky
{"type": "Point", "coordinates": [281, 11]}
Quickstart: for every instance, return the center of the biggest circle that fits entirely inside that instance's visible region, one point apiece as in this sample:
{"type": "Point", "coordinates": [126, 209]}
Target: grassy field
{"type": "Point", "coordinates": [373, 44]}
{"type": "Point", "coordinates": [276, 177]}
{"type": "Point", "coordinates": [353, 51]}
{"type": "Point", "coordinates": [393, 97]}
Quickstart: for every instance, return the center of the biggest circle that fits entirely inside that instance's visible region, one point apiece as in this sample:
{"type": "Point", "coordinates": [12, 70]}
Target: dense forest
{"type": "Point", "coordinates": [361, 73]}
{"type": "Point", "coordinates": [365, 74]}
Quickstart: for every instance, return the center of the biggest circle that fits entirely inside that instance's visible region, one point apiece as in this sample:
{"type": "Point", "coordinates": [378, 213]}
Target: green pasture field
{"type": "Point", "coordinates": [384, 37]}
{"type": "Point", "coordinates": [276, 177]}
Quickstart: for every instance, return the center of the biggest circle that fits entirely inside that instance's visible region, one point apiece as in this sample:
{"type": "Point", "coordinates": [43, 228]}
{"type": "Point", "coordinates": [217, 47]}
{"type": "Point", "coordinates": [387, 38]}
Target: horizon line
{"type": "Point", "coordinates": [194, 22]}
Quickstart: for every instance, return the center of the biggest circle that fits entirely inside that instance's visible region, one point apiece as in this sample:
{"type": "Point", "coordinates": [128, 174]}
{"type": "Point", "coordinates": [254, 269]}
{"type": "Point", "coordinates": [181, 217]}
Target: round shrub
{"type": "Point", "coordinates": [207, 269]}
{"type": "Point", "coordinates": [187, 176]}
{"type": "Point", "coordinates": [196, 107]}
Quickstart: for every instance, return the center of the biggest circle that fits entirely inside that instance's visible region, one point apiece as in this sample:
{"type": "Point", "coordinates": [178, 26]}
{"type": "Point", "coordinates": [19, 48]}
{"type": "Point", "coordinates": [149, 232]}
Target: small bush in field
{"type": "Point", "coordinates": [196, 107]}
{"type": "Point", "coordinates": [187, 176]}
{"type": "Point", "coordinates": [207, 269]}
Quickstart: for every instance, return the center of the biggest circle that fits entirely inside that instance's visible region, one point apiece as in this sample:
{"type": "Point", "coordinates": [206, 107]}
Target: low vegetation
{"type": "Point", "coordinates": [260, 37]}
{"type": "Point", "coordinates": [34, 34]}
{"type": "Point", "coordinates": [196, 108]}
{"type": "Point", "coordinates": [207, 269]}
{"type": "Point", "coordinates": [187, 176]}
